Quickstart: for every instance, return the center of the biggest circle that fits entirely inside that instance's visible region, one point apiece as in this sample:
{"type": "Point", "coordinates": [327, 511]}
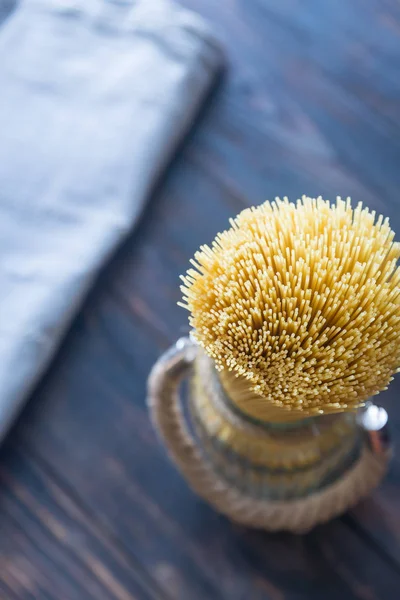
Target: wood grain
{"type": "Point", "coordinates": [90, 506]}
{"type": "Point", "coordinates": [51, 548]}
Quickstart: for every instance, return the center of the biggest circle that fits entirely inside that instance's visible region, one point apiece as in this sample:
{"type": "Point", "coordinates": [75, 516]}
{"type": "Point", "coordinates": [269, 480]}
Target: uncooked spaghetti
{"type": "Point", "coordinates": [302, 301]}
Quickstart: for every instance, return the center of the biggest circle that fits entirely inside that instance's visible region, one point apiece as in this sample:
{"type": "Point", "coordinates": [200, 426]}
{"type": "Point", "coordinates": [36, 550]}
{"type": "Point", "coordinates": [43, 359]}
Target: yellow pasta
{"type": "Point", "coordinates": [302, 301]}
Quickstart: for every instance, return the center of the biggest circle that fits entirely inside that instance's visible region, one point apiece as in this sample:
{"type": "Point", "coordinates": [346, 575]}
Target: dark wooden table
{"type": "Point", "coordinates": [90, 507]}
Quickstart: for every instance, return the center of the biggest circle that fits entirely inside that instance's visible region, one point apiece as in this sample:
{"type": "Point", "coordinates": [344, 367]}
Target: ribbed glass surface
{"type": "Point", "coordinates": [270, 460]}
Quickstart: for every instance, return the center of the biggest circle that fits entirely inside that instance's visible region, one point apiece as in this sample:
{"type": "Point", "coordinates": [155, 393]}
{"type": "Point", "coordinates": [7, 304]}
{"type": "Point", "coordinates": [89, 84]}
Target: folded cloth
{"type": "Point", "coordinates": [94, 97]}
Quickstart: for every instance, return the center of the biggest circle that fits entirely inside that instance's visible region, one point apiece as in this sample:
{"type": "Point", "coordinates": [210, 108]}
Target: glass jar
{"type": "Point", "coordinates": [269, 474]}
{"type": "Point", "coordinates": [268, 460]}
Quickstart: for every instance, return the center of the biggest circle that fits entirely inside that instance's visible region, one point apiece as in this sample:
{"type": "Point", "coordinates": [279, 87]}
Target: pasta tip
{"type": "Point", "coordinates": [301, 300]}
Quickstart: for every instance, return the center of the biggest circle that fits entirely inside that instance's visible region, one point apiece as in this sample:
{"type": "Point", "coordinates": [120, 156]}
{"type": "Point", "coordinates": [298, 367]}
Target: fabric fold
{"type": "Point", "coordinates": [94, 98]}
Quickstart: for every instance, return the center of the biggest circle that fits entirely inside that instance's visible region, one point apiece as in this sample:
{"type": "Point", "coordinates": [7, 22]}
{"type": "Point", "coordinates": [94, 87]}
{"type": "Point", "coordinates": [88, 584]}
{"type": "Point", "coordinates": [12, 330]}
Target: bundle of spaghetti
{"type": "Point", "coordinates": [302, 303]}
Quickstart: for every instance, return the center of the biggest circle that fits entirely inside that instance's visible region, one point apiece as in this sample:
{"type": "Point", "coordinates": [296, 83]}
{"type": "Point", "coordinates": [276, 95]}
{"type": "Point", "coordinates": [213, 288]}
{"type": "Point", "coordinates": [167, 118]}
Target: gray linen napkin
{"type": "Point", "coordinates": [94, 97]}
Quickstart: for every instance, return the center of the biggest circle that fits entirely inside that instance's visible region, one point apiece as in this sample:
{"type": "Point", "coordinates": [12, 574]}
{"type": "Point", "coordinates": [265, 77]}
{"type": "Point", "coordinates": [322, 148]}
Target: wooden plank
{"type": "Point", "coordinates": [51, 549]}
{"type": "Point", "coordinates": [312, 102]}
